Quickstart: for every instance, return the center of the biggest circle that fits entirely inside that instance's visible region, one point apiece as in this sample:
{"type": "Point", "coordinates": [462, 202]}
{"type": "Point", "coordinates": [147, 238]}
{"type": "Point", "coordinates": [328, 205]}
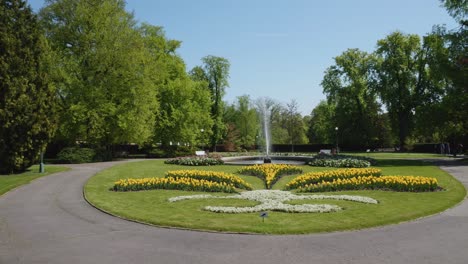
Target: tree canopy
{"type": "Point", "coordinates": [104, 78]}
{"type": "Point", "coordinates": [27, 96]}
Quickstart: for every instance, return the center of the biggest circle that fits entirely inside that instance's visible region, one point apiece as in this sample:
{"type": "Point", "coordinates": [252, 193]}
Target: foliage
{"type": "Point", "coordinates": [27, 97]}
{"type": "Point", "coordinates": [394, 183]}
{"type": "Point", "coordinates": [184, 184]}
{"type": "Point", "coordinates": [322, 124]}
{"type": "Point", "coordinates": [75, 155]}
{"type": "Point", "coordinates": [347, 85]}
{"type": "Point", "coordinates": [195, 161]}
{"type": "Point", "coordinates": [270, 173]}
{"type": "Point", "coordinates": [219, 177]}
{"type": "Point", "coordinates": [103, 72]}
{"type": "Point", "coordinates": [340, 163]}
{"type": "Point", "coordinates": [293, 124]}
{"type": "Point", "coordinates": [405, 78]}
{"type": "Point", "coordinates": [184, 104]}
{"type": "Point", "coordinates": [347, 161]}
{"type": "Point", "coordinates": [458, 9]}
{"type": "Point", "coordinates": [215, 71]}
{"type": "Point", "coordinates": [242, 124]}
{"type": "Point", "coordinates": [331, 175]}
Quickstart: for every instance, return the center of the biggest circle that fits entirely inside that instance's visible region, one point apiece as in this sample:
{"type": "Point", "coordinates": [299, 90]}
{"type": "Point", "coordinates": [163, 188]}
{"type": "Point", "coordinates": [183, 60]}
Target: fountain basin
{"type": "Point", "coordinates": [250, 160]}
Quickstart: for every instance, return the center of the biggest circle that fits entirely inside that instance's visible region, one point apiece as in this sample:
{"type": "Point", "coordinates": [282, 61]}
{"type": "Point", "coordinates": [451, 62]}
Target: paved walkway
{"type": "Point", "coordinates": [48, 221]}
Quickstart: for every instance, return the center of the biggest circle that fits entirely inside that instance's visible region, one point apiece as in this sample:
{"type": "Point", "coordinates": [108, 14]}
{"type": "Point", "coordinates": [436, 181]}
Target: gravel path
{"type": "Point", "coordinates": [48, 221]}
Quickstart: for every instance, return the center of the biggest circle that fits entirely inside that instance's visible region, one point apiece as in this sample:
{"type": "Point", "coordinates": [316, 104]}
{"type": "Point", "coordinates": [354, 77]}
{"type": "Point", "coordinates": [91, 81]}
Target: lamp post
{"type": "Point", "coordinates": [41, 165]}
{"type": "Point", "coordinates": [336, 133]}
{"type": "Point", "coordinates": [202, 139]}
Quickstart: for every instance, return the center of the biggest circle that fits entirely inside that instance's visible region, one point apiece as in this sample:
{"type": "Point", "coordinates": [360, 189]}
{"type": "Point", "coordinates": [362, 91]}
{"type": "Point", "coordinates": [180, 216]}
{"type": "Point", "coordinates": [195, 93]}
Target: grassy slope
{"type": "Point", "coordinates": [9, 182]}
{"type": "Point", "coordinates": [153, 207]}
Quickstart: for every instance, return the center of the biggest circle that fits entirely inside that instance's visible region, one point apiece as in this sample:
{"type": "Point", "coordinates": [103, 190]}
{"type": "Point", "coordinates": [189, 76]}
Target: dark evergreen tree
{"type": "Point", "coordinates": [27, 119]}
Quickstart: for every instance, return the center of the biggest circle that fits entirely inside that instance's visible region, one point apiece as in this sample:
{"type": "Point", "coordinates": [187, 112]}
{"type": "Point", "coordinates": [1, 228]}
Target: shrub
{"type": "Point", "coordinates": [76, 155]}
{"type": "Point", "coordinates": [341, 161]}
{"type": "Point", "coordinates": [156, 153]}
{"type": "Point", "coordinates": [195, 161]}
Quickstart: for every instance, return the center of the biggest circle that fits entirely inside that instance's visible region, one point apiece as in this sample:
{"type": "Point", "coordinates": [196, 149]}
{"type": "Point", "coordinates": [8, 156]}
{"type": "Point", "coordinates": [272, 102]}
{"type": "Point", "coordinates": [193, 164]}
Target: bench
{"type": "Point", "coordinates": [200, 153]}
{"type": "Point", "coordinates": [325, 151]}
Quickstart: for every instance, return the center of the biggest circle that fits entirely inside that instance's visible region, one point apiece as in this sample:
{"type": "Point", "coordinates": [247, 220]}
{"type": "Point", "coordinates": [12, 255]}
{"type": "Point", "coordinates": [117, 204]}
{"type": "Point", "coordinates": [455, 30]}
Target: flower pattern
{"type": "Point", "coordinates": [273, 200]}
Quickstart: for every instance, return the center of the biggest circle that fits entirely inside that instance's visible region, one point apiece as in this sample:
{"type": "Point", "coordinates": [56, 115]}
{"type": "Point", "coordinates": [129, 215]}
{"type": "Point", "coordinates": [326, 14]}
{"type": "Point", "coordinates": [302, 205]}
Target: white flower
{"type": "Point", "coordinates": [273, 200]}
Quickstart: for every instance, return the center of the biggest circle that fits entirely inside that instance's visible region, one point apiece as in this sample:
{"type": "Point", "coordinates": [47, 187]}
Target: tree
{"type": "Point", "coordinates": [106, 93]}
{"type": "Point", "coordinates": [347, 86]}
{"type": "Point", "coordinates": [243, 123]}
{"type": "Point", "coordinates": [322, 124]}
{"type": "Point", "coordinates": [184, 103]}
{"type": "Point", "coordinates": [293, 124]}
{"type": "Point", "coordinates": [27, 98]}
{"type": "Point", "coordinates": [215, 71]}
{"type": "Point", "coordinates": [405, 80]}
{"type": "Point", "coordinates": [458, 9]}
{"type": "Point", "coordinates": [447, 119]}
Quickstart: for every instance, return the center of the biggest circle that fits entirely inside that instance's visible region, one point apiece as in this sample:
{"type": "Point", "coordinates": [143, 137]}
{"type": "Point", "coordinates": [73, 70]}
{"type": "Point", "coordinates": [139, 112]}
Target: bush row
{"type": "Point", "coordinates": [195, 161]}
{"type": "Point", "coordinates": [341, 161]}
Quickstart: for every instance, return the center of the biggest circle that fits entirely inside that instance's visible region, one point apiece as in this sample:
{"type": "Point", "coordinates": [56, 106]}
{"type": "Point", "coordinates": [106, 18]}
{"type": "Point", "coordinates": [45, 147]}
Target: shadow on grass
{"type": "Point", "coordinates": [428, 162]}
{"type": "Point", "coordinates": [402, 162]}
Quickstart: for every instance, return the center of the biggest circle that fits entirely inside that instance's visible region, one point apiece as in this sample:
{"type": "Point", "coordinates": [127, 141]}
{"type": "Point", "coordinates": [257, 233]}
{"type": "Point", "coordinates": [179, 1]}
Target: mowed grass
{"type": "Point", "coordinates": [9, 182]}
{"type": "Point", "coordinates": [396, 155]}
{"type": "Point", "coordinates": [152, 207]}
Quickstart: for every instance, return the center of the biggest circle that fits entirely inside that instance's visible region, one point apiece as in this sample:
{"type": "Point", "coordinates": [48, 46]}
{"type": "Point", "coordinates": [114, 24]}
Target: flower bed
{"type": "Point", "coordinates": [270, 173]}
{"type": "Point", "coordinates": [341, 161]}
{"type": "Point", "coordinates": [316, 177]}
{"type": "Point", "coordinates": [394, 183]}
{"type": "Point", "coordinates": [195, 161]}
{"type": "Point", "coordinates": [171, 183]}
{"type": "Point", "coordinates": [273, 200]}
{"type": "Point", "coordinates": [214, 176]}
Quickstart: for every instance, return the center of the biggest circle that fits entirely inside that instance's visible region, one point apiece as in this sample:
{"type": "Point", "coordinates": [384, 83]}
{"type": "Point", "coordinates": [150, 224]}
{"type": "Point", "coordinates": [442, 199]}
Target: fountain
{"type": "Point", "coordinates": [264, 108]}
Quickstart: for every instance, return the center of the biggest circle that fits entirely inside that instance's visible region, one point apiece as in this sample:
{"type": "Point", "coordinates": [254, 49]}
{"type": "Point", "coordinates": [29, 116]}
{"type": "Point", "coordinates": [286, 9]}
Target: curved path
{"type": "Point", "coordinates": [48, 221]}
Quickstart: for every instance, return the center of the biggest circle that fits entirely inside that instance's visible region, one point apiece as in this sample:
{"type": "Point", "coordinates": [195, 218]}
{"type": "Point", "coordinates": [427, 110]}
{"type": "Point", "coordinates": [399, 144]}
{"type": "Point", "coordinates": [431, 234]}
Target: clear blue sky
{"type": "Point", "coordinates": [280, 48]}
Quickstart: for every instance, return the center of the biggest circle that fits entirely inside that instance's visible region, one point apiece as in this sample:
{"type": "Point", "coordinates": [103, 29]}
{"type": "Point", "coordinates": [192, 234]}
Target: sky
{"type": "Point", "coordinates": [281, 48]}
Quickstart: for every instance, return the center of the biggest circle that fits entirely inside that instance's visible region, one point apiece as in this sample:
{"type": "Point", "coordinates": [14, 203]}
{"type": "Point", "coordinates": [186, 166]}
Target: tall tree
{"type": "Point", "coordinates": [243, 122]}
{"type": "Point", "coordinates": [455, 101]}
{"type": "Point", "coordinates": [404, 79]}
{"type": "Point", "coordinates": [215, 70]}
{"type": "Point", "coordinates": [347, 86]}
{"type": "Point", "coordinates": [293, 123]}
{"type": "Point", "coordinates": [27, 98]}
{"type": "Point", "coordinates": [105, 89]}
{"type": "Point", "coordinates": [322, 124]}
{"type": "Point", "coordinates": [184, 110]}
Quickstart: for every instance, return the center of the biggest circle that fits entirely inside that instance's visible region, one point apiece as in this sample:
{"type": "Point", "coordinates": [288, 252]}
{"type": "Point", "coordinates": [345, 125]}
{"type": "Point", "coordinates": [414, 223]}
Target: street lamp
{"type": "Point", "coordinates": [41, 165]}
{"type": "Point", "coordinates": [202, 139]}
{"type": "Point", "coordinates": [336, 132]}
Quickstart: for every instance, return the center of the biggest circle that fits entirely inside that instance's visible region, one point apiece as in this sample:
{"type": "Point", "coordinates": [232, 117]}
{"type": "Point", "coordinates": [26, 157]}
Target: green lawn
{"type": "Point", "coordinates": [152, 206]}
{"type": "Point", "coordinates": [9, 182]}
{"type": "Point", "coordinates": [396, 155]}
